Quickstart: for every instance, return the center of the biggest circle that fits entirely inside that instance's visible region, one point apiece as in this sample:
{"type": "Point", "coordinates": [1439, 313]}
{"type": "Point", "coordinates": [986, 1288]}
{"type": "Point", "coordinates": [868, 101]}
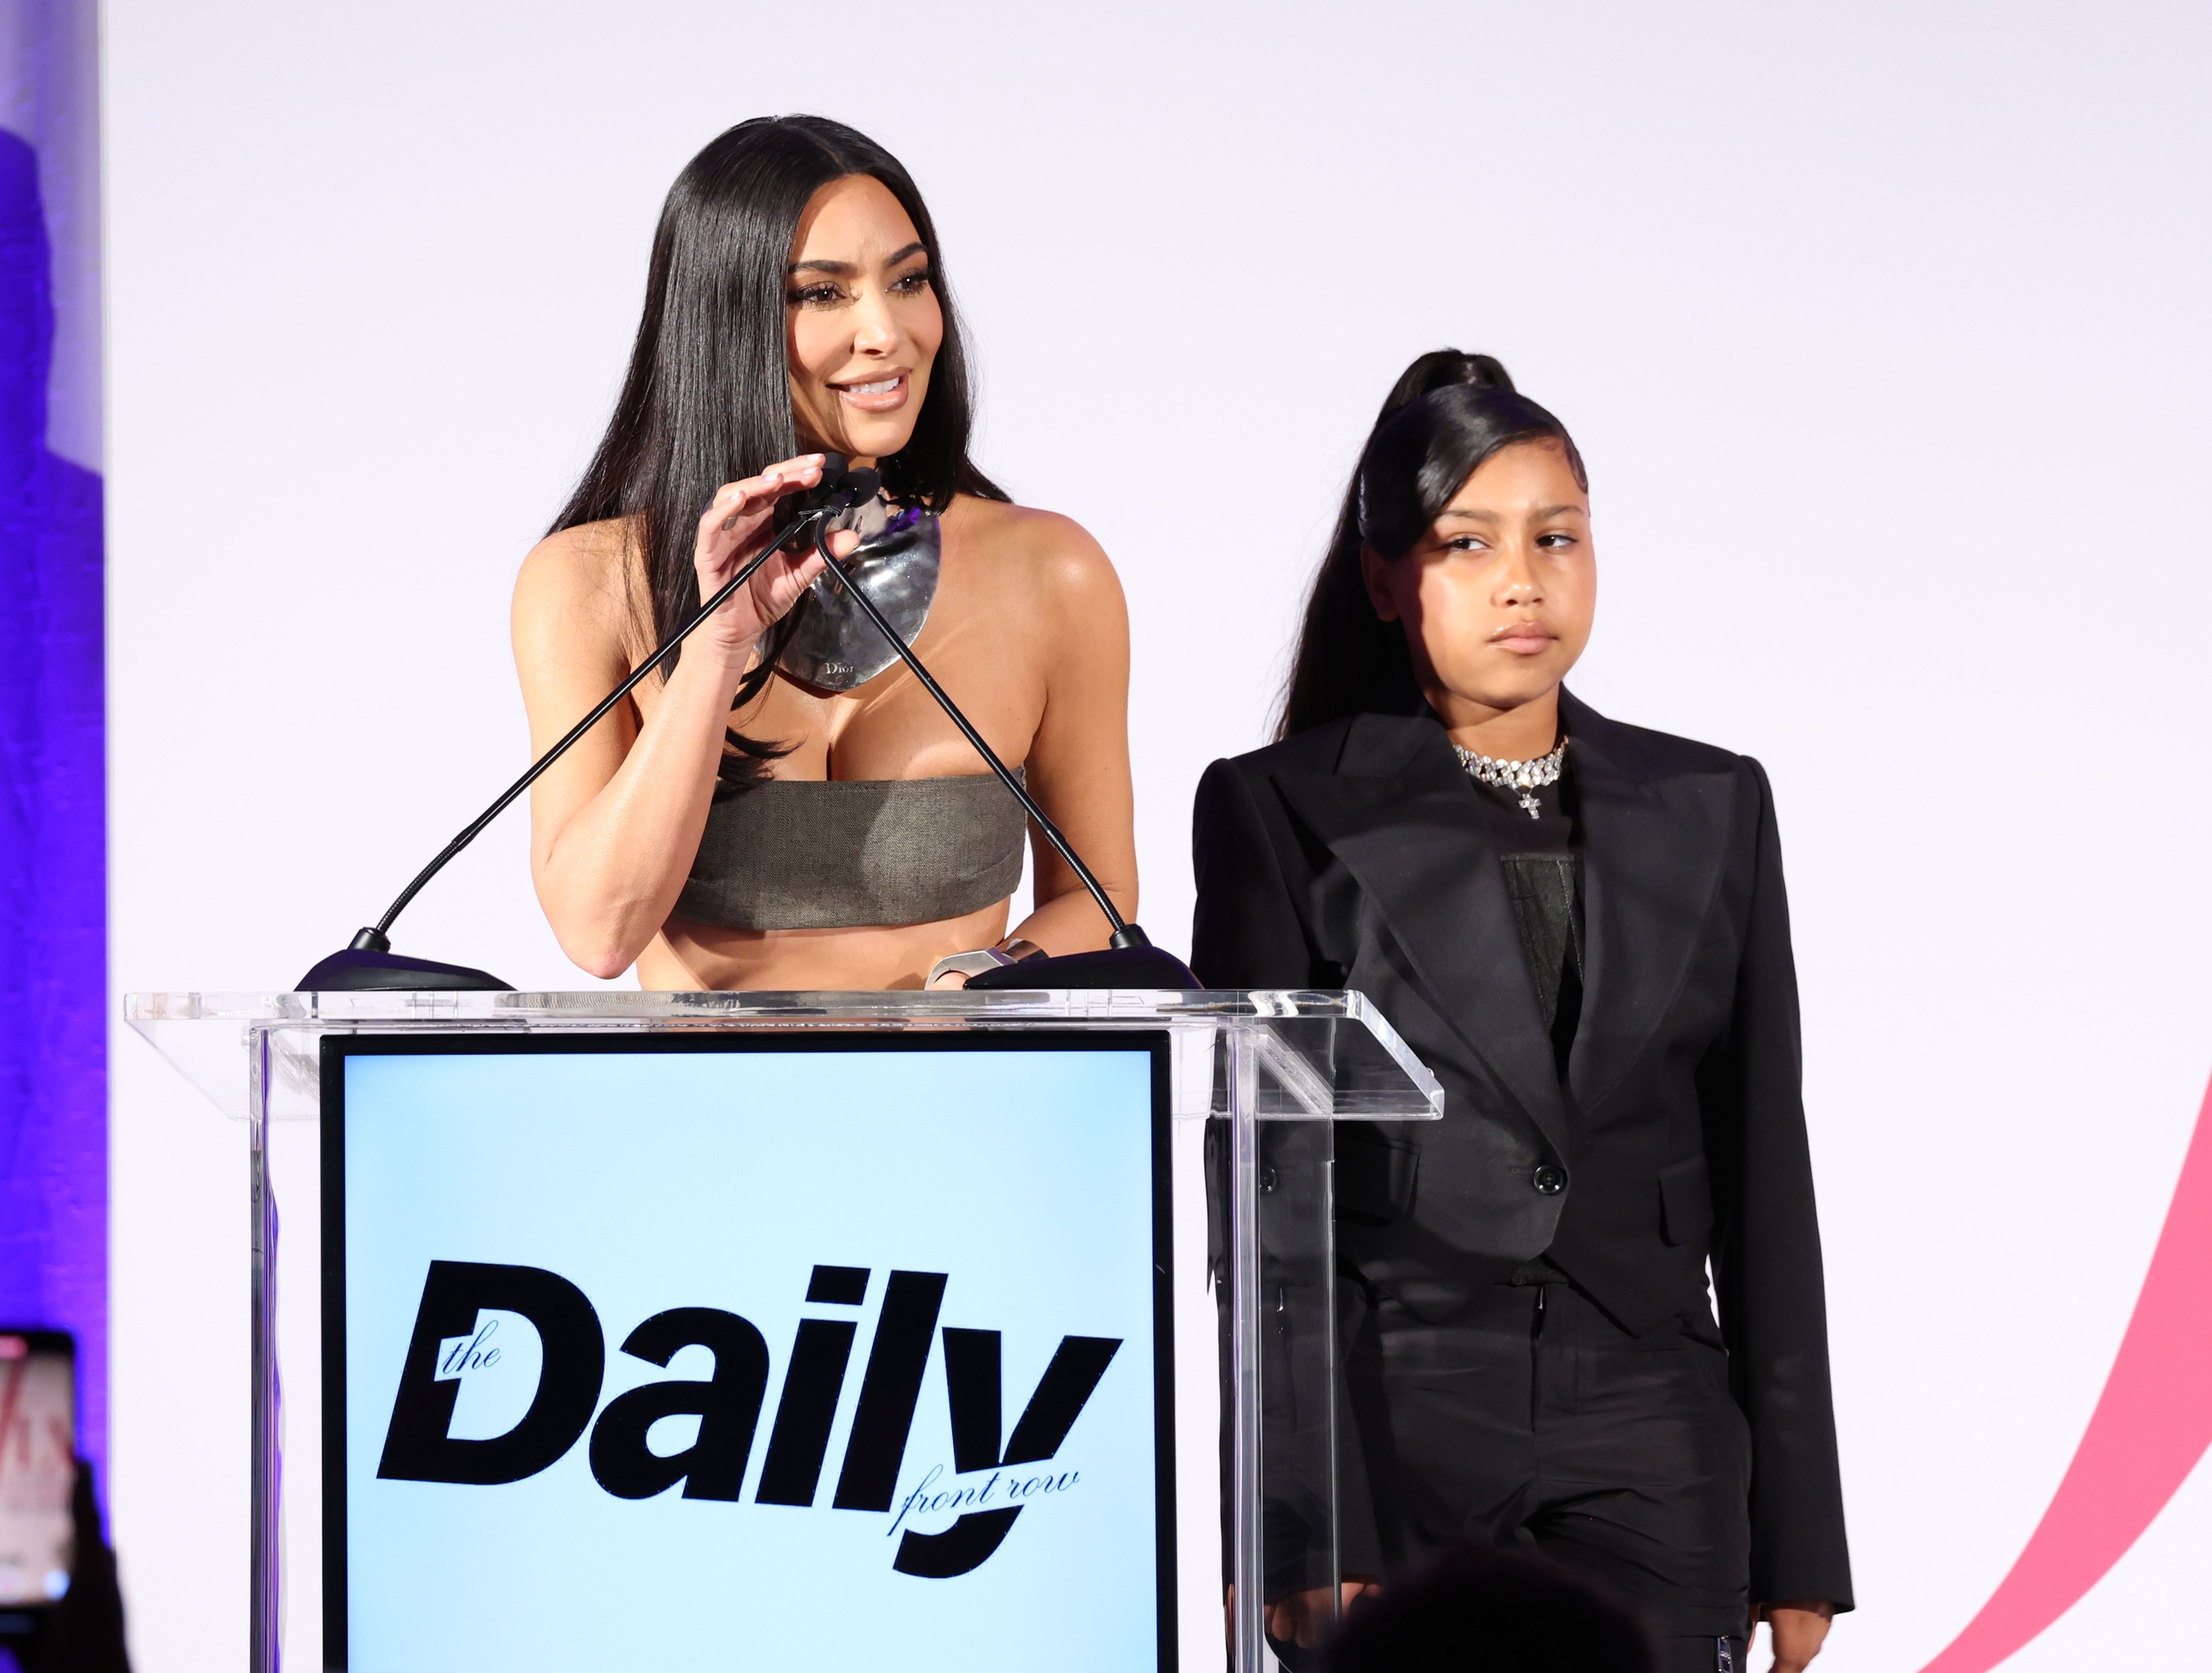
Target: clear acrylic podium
{"type": "Point", "coordinates": [1254, 1079]}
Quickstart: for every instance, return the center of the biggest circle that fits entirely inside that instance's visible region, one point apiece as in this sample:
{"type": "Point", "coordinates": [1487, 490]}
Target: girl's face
{"type": "Point", "coordinates": [863, 323]}
{"type": "Point", "coordinates": [1497, 596]}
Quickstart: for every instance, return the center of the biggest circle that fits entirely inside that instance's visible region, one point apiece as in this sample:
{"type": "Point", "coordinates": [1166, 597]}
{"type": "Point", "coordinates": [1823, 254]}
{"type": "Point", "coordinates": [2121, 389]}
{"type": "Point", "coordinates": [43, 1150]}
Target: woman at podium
{"type": "Point", "coordinates": [786, 807]}
{"type": "Point", "coordinates": [1580, 925]}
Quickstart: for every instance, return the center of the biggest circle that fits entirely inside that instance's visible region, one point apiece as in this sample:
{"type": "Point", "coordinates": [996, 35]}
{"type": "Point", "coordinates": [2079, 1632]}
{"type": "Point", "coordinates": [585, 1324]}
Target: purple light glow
{"type": "Point", "coordinates": [53, 880]}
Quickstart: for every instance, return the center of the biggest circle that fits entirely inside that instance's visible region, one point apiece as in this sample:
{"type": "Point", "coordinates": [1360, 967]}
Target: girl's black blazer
{"type": "Point", "coordinates": [1355, 856]}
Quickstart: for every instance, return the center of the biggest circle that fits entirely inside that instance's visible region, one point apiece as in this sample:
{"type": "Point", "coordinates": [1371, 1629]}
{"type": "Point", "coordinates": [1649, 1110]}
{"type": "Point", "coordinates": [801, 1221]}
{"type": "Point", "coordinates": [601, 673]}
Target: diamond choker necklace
{"type": "Point", "coordinates": [1526, 776]}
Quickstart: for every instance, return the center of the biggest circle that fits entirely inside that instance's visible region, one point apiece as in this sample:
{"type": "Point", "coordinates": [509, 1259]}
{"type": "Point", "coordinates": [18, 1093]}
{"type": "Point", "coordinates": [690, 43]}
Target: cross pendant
{"type": "Point", "coordinates": [1530, 805]}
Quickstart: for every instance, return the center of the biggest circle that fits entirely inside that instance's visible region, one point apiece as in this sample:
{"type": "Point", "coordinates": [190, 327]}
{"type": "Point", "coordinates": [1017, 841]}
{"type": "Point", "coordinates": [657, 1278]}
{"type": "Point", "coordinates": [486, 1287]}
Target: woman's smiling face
{"type": "Point", "coordinates": [862, 318]}
{"type": "Point", "coordinates": [1498, 595]}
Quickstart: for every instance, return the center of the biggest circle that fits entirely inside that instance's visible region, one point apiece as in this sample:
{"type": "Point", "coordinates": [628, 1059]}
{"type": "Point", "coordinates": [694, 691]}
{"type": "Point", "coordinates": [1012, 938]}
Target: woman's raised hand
{"type": "Point", "coordinates": [742, 516]}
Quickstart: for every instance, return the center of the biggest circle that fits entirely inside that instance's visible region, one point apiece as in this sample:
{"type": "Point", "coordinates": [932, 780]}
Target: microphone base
{"type": "Point", "coordinates": [1138, 965]}
{"type": "Point", "coordinates": [359, 970]}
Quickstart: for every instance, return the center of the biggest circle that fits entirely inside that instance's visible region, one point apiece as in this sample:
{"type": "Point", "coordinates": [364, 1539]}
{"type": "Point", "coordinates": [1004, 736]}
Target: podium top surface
{"type": "Point", "coordinates": [1316, 1055]}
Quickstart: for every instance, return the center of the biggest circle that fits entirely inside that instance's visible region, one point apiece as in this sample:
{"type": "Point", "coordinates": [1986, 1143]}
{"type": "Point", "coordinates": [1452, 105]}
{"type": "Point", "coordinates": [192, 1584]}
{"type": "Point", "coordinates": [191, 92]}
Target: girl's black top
{"type": "Point", "coordinates": [1543, 878]}
{"type": "Point", "coordinates": [1542, 860]}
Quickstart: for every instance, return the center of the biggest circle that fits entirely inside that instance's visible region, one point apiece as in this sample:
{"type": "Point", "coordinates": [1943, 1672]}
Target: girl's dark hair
{"type": "Point", "coordinates": [708, 397]}
{"type": "Point", "coordinates": [1448, 413]}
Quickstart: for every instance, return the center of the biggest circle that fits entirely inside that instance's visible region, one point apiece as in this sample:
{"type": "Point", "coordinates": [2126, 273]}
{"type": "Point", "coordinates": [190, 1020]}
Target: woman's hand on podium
{"type": "Point", "coordinates": [742, 516]}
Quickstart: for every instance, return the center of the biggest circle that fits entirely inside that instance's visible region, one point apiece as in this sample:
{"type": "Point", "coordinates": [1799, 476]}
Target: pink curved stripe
{"type": "Point", "coordinates": [2151, 1424]}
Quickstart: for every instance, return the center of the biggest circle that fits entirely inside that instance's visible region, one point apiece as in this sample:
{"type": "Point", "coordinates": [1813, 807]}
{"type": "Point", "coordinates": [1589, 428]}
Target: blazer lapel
{"type": "Point", "coordinates": [1653, 844]}
{"type": "Point", "coordinates": [1401, 815]}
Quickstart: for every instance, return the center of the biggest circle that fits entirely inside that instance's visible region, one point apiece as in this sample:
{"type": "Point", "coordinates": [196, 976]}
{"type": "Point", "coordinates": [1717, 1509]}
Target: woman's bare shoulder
{"type": "Point", "coordinates": [1053, 556]}
{"type": "Point", "coordinates": [585, 575]}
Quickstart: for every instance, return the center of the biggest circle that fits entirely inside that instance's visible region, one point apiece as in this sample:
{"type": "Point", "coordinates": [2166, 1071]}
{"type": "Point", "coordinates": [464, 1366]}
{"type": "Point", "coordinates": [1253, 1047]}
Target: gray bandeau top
{"type": "Point", "coordinates": [841, 853]}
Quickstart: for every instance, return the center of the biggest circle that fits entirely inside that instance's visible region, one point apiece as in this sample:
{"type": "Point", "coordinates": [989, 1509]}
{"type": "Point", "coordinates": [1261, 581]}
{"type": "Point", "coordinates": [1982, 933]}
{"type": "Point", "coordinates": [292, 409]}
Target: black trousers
{"type": "Point", "coordinates": [1532, 1419]}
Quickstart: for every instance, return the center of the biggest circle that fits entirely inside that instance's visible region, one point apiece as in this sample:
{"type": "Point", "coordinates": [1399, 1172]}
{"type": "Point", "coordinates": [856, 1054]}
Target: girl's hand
{"type": "Point", "coordinates": [732, 531]}
{"type": "Point", "coordinates": [1302, 1618]}
{"type": "Point", "coordinates": [1799, 1630]}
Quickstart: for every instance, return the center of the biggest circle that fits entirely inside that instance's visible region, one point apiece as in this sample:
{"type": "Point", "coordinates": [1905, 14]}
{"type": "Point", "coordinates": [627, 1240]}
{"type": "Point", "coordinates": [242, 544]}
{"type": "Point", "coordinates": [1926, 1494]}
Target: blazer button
{"type": "Point", "coordinates": [1549, 1181]}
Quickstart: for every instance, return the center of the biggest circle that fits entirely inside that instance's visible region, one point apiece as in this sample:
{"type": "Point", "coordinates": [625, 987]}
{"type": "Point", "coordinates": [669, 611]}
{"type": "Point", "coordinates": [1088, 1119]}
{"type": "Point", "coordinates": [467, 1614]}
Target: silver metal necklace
{"type": "Point", "coordinates": [835, 647]}
{"type": "Point", "coordinates": [1526, 776]}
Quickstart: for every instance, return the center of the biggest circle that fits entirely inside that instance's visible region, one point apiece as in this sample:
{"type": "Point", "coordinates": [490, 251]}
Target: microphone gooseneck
{"type": "Point", "coordinates": [1132, 961]}
{"type": "Point", "coordinates": [854, 480]}
{"type": "Point", "coordinates": [1125, 934]}
{"type": "Point", "coordinates": [368, 963]}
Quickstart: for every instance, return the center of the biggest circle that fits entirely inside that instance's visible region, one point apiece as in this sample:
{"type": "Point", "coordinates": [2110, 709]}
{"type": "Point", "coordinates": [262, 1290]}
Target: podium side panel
{"type": "Point", "coordinates": [1198, 1411]}
{"type": "Point", "coordinates": [293, 1150]}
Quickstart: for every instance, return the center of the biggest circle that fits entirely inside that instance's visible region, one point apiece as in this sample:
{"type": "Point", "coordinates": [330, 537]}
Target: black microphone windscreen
{"type": "Point", "coordinates": [833, 467]}
{"type": "Point", "coordinates": [861, 484]}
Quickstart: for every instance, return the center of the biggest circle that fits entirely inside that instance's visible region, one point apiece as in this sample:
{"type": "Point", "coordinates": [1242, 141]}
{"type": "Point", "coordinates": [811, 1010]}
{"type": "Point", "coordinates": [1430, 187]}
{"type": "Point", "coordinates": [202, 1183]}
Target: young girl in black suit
{"type": "Point", "coordinates": [1580, 926]}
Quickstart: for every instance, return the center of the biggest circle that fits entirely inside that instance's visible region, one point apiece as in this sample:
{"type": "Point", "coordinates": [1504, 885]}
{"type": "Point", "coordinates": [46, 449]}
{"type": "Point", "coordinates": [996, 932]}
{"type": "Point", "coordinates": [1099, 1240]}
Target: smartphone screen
{"type": "Point", "coordinates": [38, 1465]}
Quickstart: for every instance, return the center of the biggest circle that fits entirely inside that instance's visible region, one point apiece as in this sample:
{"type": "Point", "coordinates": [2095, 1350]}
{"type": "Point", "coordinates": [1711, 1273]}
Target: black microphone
{"type": "Point", "coordinates": [368, 963]}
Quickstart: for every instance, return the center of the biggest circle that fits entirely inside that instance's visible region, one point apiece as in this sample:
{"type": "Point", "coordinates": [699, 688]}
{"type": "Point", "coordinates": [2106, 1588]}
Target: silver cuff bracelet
{"type": "Point", "coordinates": [969, 964]}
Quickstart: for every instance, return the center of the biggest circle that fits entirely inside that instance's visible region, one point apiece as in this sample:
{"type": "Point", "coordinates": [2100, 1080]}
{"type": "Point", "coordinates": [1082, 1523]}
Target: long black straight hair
{"type": "Point", "coordinates": [1447, 412]}
{"type": "Point", "coordinates": [708, 397]}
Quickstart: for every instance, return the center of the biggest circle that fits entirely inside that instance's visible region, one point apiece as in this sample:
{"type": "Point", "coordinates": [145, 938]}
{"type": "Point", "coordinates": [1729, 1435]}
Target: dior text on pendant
{"type": "Point", "coordinates": [1526, 776]}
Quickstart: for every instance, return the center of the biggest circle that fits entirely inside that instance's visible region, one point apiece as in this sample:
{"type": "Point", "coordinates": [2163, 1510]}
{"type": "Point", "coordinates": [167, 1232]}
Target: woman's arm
{"type": "Point", "coordinates": [1078, 759]}
{"type": "Point", "coordinates": [614, 827]}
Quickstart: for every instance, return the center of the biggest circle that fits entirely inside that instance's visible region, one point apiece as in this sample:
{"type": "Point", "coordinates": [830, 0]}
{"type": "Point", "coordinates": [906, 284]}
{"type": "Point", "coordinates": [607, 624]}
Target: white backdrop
{"type": "Point", "coordinates": [1882, 328]}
